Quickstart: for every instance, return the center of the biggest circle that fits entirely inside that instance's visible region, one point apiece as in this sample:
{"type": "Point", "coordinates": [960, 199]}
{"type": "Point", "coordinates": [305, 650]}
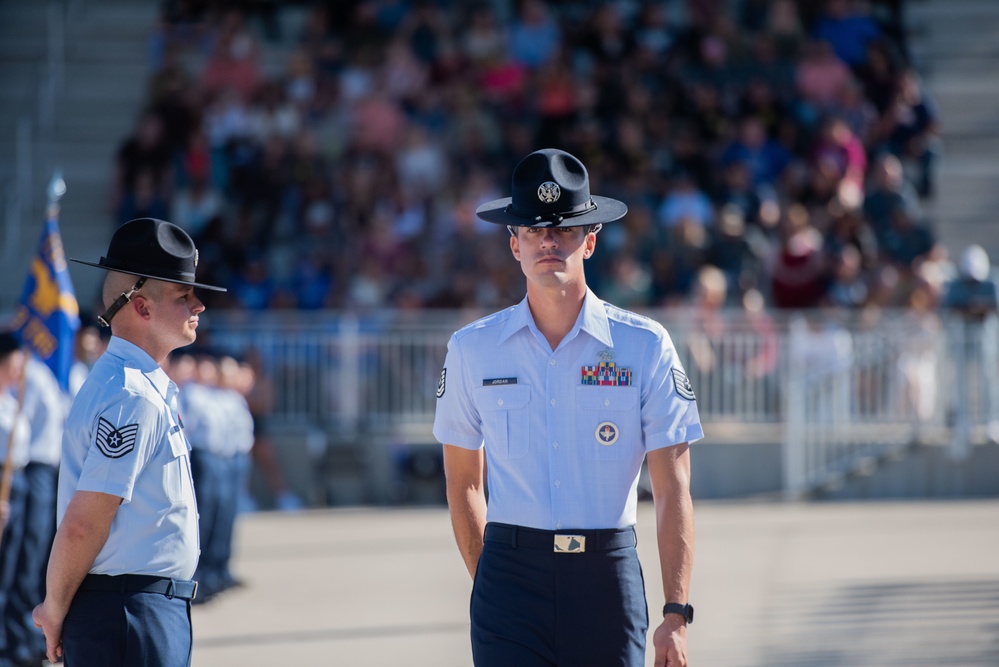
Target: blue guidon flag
{"type": "Point", "coordinates": [49, 315]}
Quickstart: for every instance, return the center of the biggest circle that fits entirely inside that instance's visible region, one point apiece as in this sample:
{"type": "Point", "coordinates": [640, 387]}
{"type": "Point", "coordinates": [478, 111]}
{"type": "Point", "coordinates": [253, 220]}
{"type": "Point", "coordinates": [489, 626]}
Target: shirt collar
{"type": "Point", "coordinates": [592, 320]}
{"type": "Point", "coordinates": [134, 356]}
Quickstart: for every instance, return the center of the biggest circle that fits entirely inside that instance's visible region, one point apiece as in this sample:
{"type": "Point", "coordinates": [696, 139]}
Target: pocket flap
{"type": "Point", "coordinates": [606, 398]}
{"type": "Point", "coordinates": [504, 397]}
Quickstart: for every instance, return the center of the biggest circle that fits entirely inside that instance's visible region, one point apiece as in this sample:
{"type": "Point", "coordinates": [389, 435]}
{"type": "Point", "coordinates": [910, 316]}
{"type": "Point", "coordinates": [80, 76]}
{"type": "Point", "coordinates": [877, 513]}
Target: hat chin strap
{"type": "Point", "coordinates": [119, 303]}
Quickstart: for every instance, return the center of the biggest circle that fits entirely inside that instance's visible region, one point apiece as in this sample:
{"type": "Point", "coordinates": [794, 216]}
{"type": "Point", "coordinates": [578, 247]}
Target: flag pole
{"type": "Point", "coordinates": [56, 189]}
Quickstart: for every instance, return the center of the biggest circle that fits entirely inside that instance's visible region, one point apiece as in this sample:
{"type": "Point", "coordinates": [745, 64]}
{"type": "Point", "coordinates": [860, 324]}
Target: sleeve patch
{"type": "Point", "coordinates": [115, 443]}
{"type": "Point", "coordinates": [441, 384]}
{"type": "Point", "coordinates": [683, 386]}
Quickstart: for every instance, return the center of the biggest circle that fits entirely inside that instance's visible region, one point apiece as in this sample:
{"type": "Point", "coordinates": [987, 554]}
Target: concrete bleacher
{"type": "Point", "coordinates": [105, 72]}
{"type": "Point", "coordinates": [956, 45]}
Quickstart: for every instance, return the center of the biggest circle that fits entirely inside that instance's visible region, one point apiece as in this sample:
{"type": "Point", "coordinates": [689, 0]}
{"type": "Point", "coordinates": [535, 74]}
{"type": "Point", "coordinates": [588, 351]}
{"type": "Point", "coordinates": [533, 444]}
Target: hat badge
{"type": "Point", "coordinates": [549, 192]}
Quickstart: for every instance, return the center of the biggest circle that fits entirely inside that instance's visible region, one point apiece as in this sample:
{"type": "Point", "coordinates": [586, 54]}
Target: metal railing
{"type": "Point", "coordinates": [845, 391]}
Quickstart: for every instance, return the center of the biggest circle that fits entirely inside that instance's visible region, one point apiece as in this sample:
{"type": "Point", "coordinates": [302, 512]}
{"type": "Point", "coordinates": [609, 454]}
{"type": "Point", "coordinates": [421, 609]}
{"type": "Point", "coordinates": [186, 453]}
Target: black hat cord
{"type": "Point", "coordinates": [120, 302]}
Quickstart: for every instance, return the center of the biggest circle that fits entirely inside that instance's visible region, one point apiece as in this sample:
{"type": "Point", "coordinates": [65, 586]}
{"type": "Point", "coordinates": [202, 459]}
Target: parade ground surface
{"type": "Point", "coordinates": [795, 585]}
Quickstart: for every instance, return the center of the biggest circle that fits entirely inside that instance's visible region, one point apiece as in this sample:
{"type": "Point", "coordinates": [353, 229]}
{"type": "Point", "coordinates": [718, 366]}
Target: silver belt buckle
{"type": "Point", "coordinates": [570, 544]}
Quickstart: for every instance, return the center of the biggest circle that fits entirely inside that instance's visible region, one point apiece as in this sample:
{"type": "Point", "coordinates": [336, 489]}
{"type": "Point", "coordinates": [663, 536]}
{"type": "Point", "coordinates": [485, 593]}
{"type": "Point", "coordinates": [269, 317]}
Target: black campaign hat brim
{"type": "Point", "coordinates": [151, 276]}
{"type": "Point", "coordinates": [607, 210]}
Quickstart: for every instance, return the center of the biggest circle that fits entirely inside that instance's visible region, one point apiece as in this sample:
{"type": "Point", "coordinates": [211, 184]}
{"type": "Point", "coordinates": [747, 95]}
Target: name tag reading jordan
{"type": "Point", "coordinates": [115, 442]}
{"type": "Point", "coordinates": [495, 382]}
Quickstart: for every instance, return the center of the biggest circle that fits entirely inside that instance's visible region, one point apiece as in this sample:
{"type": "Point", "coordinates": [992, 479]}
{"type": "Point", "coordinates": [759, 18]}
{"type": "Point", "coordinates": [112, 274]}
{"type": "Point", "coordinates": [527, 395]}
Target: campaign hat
{"type": "Point", "coordinates": [155, 249]}
{"type": "Point", "coordinates": [551, 188]}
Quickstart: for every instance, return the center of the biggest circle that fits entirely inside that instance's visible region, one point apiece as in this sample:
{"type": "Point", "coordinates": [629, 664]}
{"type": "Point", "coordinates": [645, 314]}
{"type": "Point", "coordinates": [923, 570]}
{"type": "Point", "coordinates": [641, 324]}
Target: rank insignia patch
{"type": "Point", "coordinates": [607, 433]}
{"type": "Point", "coordinates": [682, 384]}
{"type": "Point", "coordinates": [113, 442]}
{"type": "Point", "coordinates": [441, 383]}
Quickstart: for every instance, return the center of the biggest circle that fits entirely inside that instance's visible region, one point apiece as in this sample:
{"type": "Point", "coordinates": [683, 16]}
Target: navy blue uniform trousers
{"type": "Point", "coordinates": [532, 607]}
{"type": "Point", "coordinates": [112, 629]}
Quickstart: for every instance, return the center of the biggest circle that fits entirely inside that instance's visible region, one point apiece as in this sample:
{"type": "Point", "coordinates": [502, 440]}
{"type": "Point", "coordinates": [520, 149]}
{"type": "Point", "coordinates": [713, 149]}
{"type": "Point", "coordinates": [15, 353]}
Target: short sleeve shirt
{"type": "Point", "coordinates": [565, 431]}
{"type": "Point", "coordinates": [125, 438]}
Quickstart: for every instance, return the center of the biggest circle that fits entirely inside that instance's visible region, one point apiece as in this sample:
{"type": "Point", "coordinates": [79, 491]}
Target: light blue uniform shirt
{"type": "Point", "coordinates": [205, 418]}
{"type": "Point", "coordinates": [45, 405]}
{"type": "Point", "coordinates": [239, 435]}
{"type": "Point", "coordinates": [562, 453]}
{"type": "Point", "coordinates": [11, 421]}
{"type": "Point", "coordinates": [124, 437]}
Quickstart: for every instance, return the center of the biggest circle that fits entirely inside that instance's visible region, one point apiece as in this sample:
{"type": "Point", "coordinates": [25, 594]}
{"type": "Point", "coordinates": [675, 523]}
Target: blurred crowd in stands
{"type": "Point", "coordinates": [772, 152]}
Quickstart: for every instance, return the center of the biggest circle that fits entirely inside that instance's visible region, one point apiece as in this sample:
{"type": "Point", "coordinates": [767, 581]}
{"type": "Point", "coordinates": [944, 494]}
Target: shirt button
{"type": "Point", "coordinates": [555, 445]}
{"type": "Point", "coordinates": [557, 483]}
{"type": "Point", "coordinates": [552, 362]}
{"type": "Point", "coordinates": [554, 401]}
{"type": "Point", "coordinates": [558, 525]}
{"type": "Point", "coordinates": [606, 401]}
{"type": "Point", "coordinates": [499, 402]}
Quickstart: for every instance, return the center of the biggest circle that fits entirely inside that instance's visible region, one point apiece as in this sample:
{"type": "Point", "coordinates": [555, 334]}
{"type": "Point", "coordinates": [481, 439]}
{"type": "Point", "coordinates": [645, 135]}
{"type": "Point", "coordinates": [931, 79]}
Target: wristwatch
{"type": "Point", "coordinates": [685, 610]}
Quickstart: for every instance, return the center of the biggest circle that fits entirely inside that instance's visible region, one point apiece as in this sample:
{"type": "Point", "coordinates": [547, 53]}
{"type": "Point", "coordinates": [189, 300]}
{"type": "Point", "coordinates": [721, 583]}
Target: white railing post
{"type": "Point", "coordinates": [351, 382]}
{"type": "Point", "coordinates": [793, 454]}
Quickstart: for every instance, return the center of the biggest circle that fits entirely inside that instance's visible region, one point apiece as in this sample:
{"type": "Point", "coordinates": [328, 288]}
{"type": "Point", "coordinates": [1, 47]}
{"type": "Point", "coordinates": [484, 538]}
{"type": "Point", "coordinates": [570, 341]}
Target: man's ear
{"type": "Point", "coordinates": [140, 305]}
{"type": "Point", "coordinates": [515, 246]}
{"type": "Point", "coordinates": [590, 243]}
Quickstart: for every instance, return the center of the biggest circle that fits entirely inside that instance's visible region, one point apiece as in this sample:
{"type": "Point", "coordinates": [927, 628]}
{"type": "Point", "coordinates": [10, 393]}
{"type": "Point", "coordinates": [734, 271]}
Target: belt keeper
{"type": "Point", "coordinates": [169, 590]}
{"type": "Point", "coordinates": [513, 539]}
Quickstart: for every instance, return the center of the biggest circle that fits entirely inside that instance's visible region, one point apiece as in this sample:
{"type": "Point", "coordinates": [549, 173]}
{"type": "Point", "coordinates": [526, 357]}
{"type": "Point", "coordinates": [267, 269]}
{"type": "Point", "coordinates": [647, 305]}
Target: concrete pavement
{"type": "Point", "coordinates": [802, 585]}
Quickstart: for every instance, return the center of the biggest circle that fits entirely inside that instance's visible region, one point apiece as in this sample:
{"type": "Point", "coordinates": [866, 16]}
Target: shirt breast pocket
{"type": "Point", "coordinates": [177, 472]}
{"type": "Point", "coordinates": [505, 415]}
{"type": "Point", "coordinates": [608, 422]}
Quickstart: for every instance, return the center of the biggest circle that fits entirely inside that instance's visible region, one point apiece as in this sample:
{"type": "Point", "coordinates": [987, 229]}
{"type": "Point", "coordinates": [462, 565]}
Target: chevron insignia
{"type": "Point", "coordinates": [114, 442]}
{"type": "Point", "coordinates": [682, 384]}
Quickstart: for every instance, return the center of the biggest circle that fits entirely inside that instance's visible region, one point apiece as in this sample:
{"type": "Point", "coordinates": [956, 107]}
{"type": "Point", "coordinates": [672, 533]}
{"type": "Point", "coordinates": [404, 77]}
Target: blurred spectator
{"type": "Point", "coordinates": [233, 64]}
{"type": "Point", "coordinates": [906, 239]}
{"type": "Point", "coordinates": [974, 297]}
{"type": "Point", "coordinates": [143, 170]}
{"type": "Point", "coordinates": [847, 29]}
{"type": "Point", "coordinates": [765, 157]}
{"type": "Point", "coordinates": [375, 132]}
{"type": "Point", "coordinates": [534, 36]}
{"type": "Point", "coordinates": [974, 292]}
{"type": "Point", "coordinates": [195, 204]}
{"type": "Point", "coordinates": [847, 288]}
{"type": "Point", "coordinates": [910, 129]}
{"type": "Point", "coordinates": [15, 433]}
{"type": "Point", "coordinates": [820, 79]}
{"type": "Point", "coordinates": [732, 253]}
{"type": "Point", "coordinates": [685, 204]}
{"type": "Point", "coordinates": [798, 274]}
{"type": "Point", "coordinates": [888, 193]}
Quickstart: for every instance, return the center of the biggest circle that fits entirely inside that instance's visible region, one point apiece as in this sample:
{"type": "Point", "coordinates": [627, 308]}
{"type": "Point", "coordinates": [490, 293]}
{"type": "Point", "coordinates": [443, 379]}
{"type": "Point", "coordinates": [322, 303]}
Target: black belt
{"type": "Point", "coordinates": [140, 583]}
{"type": "Point", "coordinates": [561, 541]}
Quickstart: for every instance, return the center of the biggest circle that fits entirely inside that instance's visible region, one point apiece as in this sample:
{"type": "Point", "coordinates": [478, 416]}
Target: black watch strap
{"type": "Point", "coordinates": [685, 610]}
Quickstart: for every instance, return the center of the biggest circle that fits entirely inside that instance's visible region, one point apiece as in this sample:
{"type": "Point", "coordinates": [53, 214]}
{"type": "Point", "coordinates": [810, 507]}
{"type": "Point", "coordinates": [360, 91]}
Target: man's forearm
{"type": "Point", "coordinates": [468, 519]}
{"type": "Point", "coordinates": [669, 470]}
{"type": "Point", "coordinates": [81, 535]}
{"type": "Point", "coordinates": [675, 533]}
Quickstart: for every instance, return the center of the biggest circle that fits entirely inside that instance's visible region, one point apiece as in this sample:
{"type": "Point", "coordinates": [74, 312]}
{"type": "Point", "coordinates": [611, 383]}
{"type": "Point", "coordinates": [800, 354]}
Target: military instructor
{"type": "Point", "coordinates": [119, 583]}
{"type": "Point", "coordinates": [555, 403]}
